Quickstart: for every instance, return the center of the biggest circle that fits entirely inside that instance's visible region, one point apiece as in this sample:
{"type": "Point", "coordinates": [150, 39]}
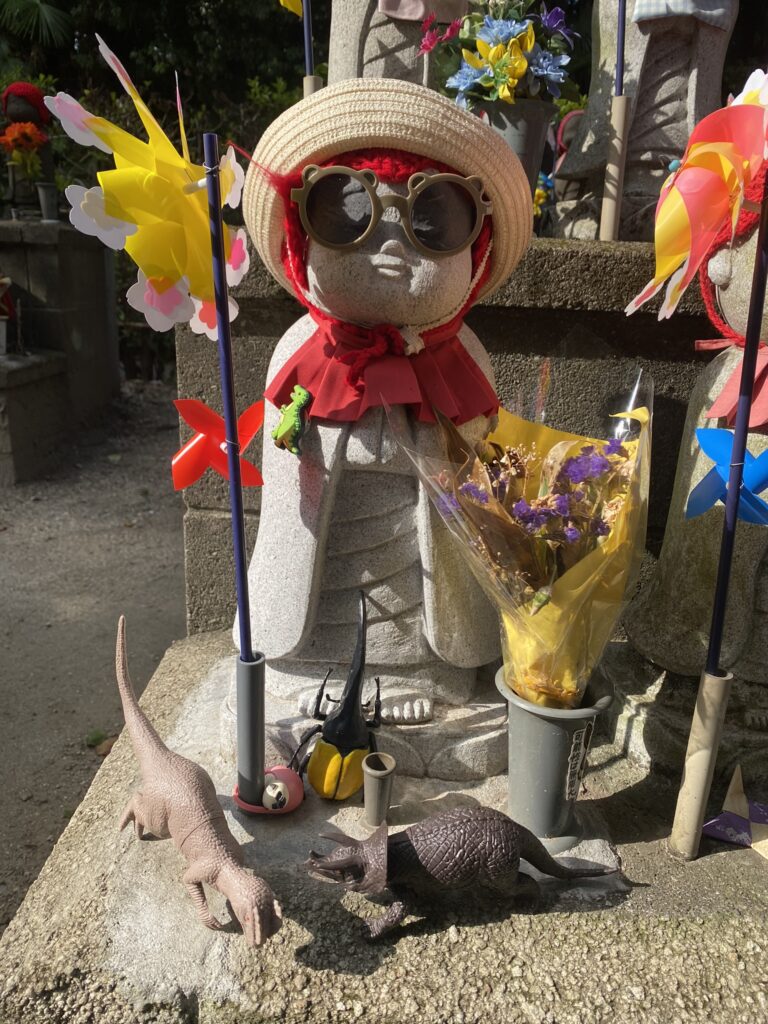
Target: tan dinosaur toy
{"type": "Point", "coordinates": [177, 800]}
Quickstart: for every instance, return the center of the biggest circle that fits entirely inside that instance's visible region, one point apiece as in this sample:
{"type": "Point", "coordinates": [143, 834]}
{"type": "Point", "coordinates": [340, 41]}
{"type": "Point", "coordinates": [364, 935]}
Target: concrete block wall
{"type": "Point", "coordinates": [64, 281]}
{"type": "Point", "coordinates": [33, 407]}
{"type": "Point", "coordinates": [565, 301]}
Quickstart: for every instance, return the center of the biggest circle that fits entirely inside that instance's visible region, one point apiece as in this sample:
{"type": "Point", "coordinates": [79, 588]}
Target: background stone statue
{"type": "Point", "coordinates": [668, 623]}
{"type": "Point", "coordinates": [674, 56]}
{"type": "Point", "coordinates": [381, 38]}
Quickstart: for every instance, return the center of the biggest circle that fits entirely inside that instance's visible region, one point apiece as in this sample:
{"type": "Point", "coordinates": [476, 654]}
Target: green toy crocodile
{"type": "Point", "coordinates": [293, 421]}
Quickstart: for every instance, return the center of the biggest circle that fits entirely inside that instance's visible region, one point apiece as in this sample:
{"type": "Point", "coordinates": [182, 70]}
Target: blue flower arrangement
{"type": "Point", "coordinates": [502, 50]}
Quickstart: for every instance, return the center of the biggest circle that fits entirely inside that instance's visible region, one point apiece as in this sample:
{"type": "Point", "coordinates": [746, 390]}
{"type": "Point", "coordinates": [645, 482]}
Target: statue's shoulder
{"type": "Point", "coordinates": [477, 350]}
{"type": "Point", "coordinates": [290, 343]}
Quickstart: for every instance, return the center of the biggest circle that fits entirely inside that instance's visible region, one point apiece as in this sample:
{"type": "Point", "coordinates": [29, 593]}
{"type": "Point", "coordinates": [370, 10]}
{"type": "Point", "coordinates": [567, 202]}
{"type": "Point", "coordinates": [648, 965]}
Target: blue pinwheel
{"type": "Point", "coordinates": [717, 444]}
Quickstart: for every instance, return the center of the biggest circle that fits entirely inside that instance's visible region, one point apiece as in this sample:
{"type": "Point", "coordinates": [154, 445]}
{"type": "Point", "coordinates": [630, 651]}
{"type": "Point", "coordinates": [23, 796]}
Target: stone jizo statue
{"type": "Point", "coordinates": [387, 211]}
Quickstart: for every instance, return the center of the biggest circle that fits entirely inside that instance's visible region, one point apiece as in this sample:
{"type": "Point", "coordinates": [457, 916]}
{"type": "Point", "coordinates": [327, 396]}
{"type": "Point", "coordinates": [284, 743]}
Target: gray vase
{"type": "Point", "coordinates": [547, 758]}
{"type": "Point", "coordinates": [523, 125]}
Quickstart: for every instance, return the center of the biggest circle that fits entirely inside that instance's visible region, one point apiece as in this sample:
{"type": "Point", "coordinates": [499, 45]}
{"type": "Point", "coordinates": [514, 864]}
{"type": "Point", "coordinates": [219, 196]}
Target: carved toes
{"type": "Point", "coordinates": [306, 703]}
{"type": "Point", "coordinates": [407, 710]}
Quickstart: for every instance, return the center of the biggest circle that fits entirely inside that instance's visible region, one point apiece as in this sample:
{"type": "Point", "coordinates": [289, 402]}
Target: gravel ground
{"type": "Point", "coordinates": [101, 536]}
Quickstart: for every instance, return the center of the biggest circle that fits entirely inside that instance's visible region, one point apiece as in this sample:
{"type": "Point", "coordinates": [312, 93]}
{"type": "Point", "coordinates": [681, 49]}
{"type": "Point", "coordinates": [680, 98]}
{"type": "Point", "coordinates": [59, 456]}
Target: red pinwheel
{"type": "Point", "coordinates": [209, 447]}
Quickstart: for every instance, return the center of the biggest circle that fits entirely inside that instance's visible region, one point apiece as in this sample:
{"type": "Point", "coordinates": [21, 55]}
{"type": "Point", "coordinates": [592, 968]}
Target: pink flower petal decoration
{"type": "Point", "coordinates": [75, 120]}
{"type": "Point", "coordinates": [204, 319]}
{"type": "Point", "coordinates": [239, 259]}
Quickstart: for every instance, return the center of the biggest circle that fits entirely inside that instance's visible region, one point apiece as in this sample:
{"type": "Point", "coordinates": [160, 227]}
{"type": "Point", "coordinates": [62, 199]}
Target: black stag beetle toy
{"type": "Point", "coordinates": [335, 764]}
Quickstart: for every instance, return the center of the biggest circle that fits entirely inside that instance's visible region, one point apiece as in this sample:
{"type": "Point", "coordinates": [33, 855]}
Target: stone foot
{"type": "Point", "coordinates": [401, 707]}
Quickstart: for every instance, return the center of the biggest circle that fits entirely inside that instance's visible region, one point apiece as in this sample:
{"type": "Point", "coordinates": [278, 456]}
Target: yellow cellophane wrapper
{"type": "Point", "coordinates": [549, 656]}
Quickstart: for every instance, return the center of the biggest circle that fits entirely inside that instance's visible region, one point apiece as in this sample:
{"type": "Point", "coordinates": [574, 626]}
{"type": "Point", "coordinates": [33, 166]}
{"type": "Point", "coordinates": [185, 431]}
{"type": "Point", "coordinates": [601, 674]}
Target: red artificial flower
{"type": "Point", "coordinates": [428, 22]}
{"type": "Point", "coordinates": [451, 31]}
{"type": "Point", "coordinates": [429, 41]}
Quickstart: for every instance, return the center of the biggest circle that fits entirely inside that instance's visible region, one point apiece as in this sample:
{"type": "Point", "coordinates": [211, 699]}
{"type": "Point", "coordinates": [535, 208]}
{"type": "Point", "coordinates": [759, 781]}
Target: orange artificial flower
{"type": "Point", "coordinates": [23, 135]}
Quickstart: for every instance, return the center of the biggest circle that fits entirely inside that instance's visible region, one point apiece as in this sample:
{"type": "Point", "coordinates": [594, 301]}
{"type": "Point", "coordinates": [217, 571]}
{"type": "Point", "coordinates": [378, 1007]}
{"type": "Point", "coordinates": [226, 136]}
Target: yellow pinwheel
{"type": "Point", "coordinates": [293, 5]}
{"type": "Point", "coordinates": [150, 206]}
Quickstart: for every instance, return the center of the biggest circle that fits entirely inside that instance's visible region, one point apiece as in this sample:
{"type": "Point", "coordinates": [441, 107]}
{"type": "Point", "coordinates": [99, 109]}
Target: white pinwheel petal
{"type": "Point", "coordinates": [233, 196]}
{"type": "Point", "coordinates": [89, 216]}
{"type": "Point", "coordinates": [74, 120]}
{"type": "Point", "coordinates": [161, 310]}
{"type": "Point", "coordinates": [204, 319]}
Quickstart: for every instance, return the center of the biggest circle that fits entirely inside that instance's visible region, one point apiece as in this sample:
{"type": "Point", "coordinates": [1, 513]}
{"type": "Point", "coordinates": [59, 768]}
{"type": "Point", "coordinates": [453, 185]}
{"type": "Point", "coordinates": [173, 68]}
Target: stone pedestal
{"type": "Point", "coordinates": [460, 744]}
{"type": "Point", "coordinates": [108, 933]}
{"type": "Point", "coordinates": [63, 283]}
{"type": "Point", "coordinates": [650, 718]}
{"type": "Point", "coordinates": [33, 413]}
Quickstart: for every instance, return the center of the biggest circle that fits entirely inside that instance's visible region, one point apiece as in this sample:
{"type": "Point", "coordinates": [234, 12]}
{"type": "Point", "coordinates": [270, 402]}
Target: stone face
{"type": "Point", "coordinates": [673, 69]}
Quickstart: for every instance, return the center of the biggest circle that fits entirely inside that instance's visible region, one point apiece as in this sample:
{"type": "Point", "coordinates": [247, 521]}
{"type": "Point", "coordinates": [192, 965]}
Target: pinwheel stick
{"type": "Point", "coordinates": [613, 186]}
{"type": "Point", "coordinates": [715, 684]}
{"type": "Point", "coordinates": [312, 82]}
{"type": "Point", "coordinates": [250, 667]}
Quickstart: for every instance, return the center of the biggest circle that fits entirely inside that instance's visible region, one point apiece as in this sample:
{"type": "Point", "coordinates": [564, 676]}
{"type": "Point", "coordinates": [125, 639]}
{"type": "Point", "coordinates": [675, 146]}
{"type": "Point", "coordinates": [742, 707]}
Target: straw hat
{"type": "Point", "coordinates": [386, 113]}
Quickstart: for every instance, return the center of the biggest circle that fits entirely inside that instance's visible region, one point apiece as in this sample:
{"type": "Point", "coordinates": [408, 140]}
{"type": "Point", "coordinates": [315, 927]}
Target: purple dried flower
{"type": "Point", "coordinates": [447, 504]}
{"type": "Point", "coordinates": [589, 465]}
{"type": "Point", "coordinates": [554, 21]}
{"type": "Point", "coordinates": [615, 447]}
{"type": "Point", "coordinates": [599, 527]}
{"type": "Point", "coordinates": [471, 490]}
{"type": "Point", "coordinates": [561, 504]}
{"type": "Point", "coordinates": [531, 518]}
{"type": "Point", "coordinates": [571, 534]}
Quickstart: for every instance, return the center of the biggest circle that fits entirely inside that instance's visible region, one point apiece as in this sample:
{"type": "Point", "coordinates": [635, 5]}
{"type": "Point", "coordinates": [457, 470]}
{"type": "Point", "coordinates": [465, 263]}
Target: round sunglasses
{"type": "Point", "coordinates": [340, 208]}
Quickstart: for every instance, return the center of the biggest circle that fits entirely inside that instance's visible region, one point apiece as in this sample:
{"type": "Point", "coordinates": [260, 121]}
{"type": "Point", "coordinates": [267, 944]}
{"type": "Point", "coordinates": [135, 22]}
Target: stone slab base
{"type": "Point", "coordinates": [107, 934]}
{"type": "Point", "coordinates": [459, 743]}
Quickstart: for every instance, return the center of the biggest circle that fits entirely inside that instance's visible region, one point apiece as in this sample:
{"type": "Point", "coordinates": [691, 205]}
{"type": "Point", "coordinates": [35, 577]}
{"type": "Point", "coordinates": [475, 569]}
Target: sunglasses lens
{"type": "Point", "coordinates": [338, 209]}
{"type": "Point", "coordinates": [443, 216]}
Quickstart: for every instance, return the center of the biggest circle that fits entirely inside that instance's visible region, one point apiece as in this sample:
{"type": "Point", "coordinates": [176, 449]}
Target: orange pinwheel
{"type": "Point", "coordinates": [724, 153]}
{"type": "Point", "coordinates": [208, 448]}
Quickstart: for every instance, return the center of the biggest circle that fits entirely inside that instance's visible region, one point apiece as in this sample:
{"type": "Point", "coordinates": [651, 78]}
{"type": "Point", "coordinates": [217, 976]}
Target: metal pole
{"type": "Point", "coordinates": [250, 669]}
{"type": "Point", "coordinates": [312, 82]}
{"type": "Point", "coordinates": [714, 688]}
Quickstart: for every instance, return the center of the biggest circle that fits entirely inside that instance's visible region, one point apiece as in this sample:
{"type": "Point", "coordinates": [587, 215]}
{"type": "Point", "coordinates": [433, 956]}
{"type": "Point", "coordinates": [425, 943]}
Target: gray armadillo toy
{"type": "Point", "coordinates": [177, 800]}
{"type": "Point", "coordinates": [475, 849]}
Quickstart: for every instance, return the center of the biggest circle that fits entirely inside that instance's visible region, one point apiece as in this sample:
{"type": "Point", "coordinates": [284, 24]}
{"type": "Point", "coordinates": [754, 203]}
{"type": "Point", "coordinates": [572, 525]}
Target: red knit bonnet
{"type": "Point", "coordinates": [746, 224]}
{"type": "Point", "coordinates": [30, 93]}
{"type": "Point", "coordinates": [391, 166]}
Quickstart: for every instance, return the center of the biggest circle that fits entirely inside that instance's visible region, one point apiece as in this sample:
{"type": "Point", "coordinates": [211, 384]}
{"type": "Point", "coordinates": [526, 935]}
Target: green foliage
{"type": "Point", "coordinates": [14, 70]}
{"type": "Point", "coordinates": [36, 21]}
{"type": "Point", "coordinates": [565, 106]}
